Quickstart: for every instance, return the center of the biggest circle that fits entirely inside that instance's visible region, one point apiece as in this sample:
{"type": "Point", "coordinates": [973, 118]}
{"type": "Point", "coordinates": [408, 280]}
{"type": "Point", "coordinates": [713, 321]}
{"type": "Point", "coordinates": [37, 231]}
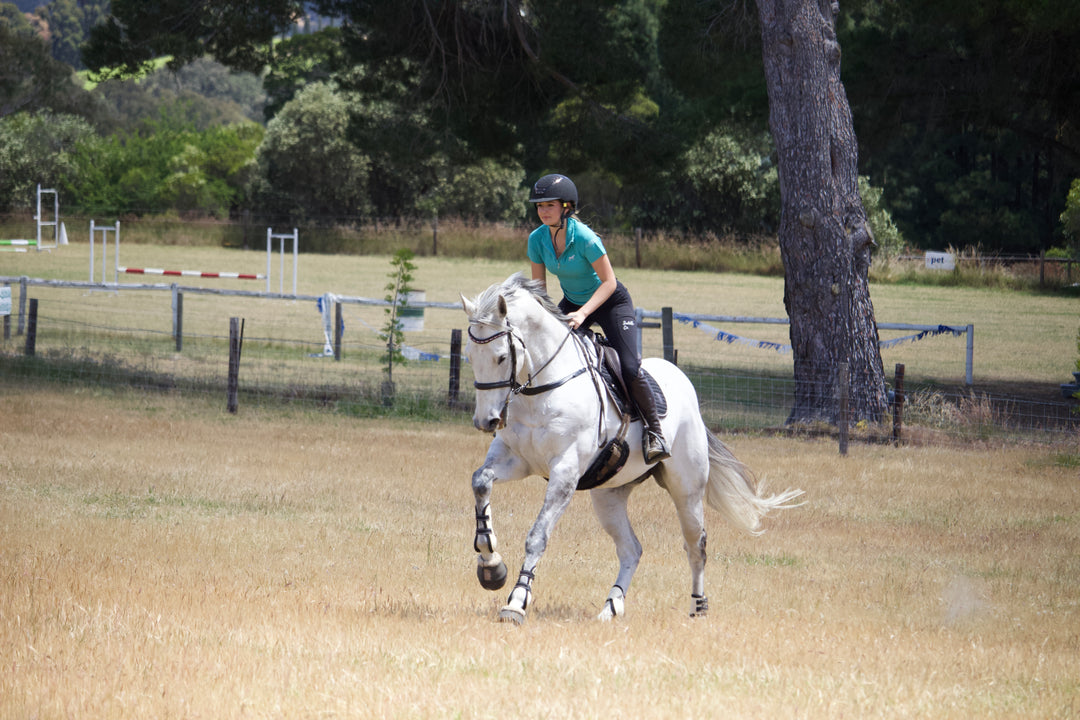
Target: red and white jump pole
{"type": "Point", "coordinates": [191, 273]}
{"type": "Point", "coordinates": [104, 230]}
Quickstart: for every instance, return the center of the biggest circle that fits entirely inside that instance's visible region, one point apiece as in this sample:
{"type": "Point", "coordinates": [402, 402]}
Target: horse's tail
{"type": "Point", "coordinates": [733, 490]}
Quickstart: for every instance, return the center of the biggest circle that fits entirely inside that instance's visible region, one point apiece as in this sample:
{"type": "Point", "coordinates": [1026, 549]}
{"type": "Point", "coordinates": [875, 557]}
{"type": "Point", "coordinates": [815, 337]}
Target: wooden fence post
{"type": "Point", "coordinates": [31, 329]}
{"type": "Point", "coordinates": [7, 318]}
{"type": "Point", "coordinates": [898, 404]}
{"type": "Point", "coordinates": [338, 325]}
{"type": "Point", "coordinates": [455, 369]}
{"type": "Point", "coordinates": [668, 333]}
{"type": "Point", "coordinates": [178, 318]}
{"type": "Point", "coordinates": [236, 339]}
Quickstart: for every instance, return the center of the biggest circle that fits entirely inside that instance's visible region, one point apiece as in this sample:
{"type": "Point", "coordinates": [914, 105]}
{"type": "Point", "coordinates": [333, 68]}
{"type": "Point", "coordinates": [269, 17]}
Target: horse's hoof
{"type": "Point", "coordinates": [491, 577]}
{"type": "Point", "coordinates": [512, 614]}
{"type": "Point", "coordinates": [614, 607]}
{"type": "Point", "coordinates": [700, 606]}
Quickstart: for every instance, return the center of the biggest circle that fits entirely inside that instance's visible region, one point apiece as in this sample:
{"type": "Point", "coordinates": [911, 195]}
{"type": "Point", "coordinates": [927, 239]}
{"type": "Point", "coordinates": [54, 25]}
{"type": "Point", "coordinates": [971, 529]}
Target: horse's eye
{"type": "Point", "coordinates": [502, 359]}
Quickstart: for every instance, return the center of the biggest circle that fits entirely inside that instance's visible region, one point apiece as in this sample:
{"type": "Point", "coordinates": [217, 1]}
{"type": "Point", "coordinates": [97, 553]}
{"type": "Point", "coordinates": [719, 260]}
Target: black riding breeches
{"type": "Point", "coordinates": [616, 318]}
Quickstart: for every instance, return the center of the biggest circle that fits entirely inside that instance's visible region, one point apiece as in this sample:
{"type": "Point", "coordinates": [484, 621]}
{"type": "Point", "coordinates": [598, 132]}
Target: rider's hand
{"type": "Point", "coordinates": [577, 319]}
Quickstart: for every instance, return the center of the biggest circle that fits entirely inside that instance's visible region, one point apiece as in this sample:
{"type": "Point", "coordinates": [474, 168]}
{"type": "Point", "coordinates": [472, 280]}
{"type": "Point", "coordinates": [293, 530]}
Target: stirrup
{"type": "Point", "coordinates": [653, 447]}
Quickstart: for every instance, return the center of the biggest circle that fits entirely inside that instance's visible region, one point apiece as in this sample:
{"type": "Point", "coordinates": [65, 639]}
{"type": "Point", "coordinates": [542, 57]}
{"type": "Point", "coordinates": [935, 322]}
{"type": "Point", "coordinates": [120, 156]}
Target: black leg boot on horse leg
{"type": "Point", "coordinates": [653, 446]}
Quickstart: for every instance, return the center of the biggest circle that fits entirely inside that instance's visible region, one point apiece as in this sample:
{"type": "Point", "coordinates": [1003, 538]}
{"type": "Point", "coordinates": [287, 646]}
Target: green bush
{"type": "Point", "coordinates": [41, 147]}
{"type": "Point", "coordinates": [890, 241]}
{"type": "Point", "coordinates": [1070, 218]}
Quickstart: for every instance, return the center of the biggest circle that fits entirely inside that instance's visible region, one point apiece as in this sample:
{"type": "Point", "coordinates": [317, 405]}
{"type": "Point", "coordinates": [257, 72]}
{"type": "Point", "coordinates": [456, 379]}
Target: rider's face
{"type": "Point", "coordinates": [550, 212]}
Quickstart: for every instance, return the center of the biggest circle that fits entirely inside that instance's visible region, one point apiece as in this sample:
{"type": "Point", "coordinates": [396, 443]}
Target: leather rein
{"type": "Point", "coordinates": [528, 388]}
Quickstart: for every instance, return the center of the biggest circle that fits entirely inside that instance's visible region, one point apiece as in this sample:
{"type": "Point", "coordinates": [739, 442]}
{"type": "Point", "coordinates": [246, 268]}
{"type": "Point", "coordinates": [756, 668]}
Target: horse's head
{"type": "Point", "coordinates": [496, 350]}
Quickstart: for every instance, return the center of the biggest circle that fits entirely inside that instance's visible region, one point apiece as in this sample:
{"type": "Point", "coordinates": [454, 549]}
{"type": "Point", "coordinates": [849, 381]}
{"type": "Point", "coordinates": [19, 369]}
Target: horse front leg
{"type": "Point", "coordinates": [490, 568]}
{"type": "Point", "coordinates": [556, 500]}
{"type": "Point", "coordinates": [500, 465]}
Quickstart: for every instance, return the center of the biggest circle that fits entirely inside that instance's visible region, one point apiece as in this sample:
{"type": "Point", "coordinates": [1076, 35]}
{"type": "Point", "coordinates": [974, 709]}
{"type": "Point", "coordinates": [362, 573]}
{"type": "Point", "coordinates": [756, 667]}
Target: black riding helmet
{"type": "Point", "coordinates": [554, 187]}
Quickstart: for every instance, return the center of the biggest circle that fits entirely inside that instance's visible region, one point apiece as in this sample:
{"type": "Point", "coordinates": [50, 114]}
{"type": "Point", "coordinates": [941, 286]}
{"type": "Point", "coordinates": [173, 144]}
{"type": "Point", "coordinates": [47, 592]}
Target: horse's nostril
{"type": "Point", "coordinates": [483, 425]}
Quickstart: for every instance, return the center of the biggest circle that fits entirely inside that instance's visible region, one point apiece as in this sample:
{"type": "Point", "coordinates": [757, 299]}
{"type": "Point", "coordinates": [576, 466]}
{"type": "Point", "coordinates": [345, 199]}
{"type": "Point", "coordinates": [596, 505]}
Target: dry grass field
{"type": "Point", "coordinates": [162, 558]}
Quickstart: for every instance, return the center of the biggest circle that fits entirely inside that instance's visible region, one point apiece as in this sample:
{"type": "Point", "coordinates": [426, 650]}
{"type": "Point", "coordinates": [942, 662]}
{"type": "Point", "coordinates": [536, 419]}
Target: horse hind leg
{"type": "Point", "coordinates": [610, 508]}
{"type": "Point", "coordinates": [690, 507]}
{"type": "Point", "coordinates": [696, 554]}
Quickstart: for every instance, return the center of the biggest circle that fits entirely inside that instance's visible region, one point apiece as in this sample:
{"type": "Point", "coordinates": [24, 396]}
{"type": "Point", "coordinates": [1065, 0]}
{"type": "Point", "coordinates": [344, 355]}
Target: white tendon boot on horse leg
{"type": "Point", "coordinates": [520, 597]}
{"type": "Point", "coordinates": [614, 606]}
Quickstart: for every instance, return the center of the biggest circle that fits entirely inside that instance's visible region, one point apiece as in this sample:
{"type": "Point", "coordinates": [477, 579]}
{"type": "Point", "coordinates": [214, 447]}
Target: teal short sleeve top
{"type": "Point", "coordinates": [574, 267]}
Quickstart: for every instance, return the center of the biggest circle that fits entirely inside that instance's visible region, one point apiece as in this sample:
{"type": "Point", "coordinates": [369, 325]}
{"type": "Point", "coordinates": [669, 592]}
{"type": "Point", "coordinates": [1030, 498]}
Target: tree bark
{"type": "Point", "coordinates": [825, 241]}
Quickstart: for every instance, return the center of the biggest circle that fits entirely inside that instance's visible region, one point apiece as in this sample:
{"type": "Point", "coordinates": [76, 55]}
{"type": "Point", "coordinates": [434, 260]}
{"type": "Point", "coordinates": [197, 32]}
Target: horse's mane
{"type": "Point", "coordinates": [488, 301]}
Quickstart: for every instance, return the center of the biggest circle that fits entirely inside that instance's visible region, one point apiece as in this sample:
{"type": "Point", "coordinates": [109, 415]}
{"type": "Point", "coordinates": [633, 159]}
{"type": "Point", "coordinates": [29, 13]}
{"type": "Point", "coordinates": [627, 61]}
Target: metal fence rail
{"type": "Point", "coordinates": [127, 335]}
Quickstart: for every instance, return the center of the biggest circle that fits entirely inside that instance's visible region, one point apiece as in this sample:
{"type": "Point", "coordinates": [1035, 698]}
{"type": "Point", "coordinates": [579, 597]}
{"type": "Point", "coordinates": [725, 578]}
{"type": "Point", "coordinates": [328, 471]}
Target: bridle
{"type": "Point", "coordinates": [526, 388]}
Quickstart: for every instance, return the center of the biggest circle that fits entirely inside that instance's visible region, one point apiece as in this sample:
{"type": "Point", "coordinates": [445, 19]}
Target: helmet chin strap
{"type": "Point", "coordinates": [564, 214]}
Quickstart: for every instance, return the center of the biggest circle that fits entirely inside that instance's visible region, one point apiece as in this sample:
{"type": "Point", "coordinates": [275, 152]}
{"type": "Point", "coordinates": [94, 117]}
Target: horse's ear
{"type": "Point", "coordinates": [468, 306]}
{"type": "Point", "coordinates": [502, 306]}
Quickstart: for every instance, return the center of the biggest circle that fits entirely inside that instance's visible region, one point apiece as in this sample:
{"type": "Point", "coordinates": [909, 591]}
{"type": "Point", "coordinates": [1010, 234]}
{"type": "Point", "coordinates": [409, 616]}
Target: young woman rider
{"type": "Point", "coordinates": [575, 254]}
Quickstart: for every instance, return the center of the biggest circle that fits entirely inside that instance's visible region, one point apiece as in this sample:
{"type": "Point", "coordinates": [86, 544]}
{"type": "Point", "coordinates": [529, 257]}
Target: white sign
{"type": "Point", "coordinates": [940, 261]}
{"type": "Point", "coordinates": [5, 300]}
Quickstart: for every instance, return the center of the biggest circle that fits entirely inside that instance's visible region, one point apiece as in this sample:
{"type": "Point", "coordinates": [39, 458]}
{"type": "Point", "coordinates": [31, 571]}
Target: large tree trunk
{"type": "Point", "coordinates": [825, 242]}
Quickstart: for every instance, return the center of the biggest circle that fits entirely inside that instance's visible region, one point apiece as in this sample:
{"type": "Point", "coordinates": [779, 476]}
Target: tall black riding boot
{"type": "Point", "coordinates": [653, 446]}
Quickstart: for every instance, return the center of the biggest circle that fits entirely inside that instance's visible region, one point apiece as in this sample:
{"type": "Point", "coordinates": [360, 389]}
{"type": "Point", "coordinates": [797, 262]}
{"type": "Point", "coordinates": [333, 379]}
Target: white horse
{"type": "Point", "coordinates": [538, 390]}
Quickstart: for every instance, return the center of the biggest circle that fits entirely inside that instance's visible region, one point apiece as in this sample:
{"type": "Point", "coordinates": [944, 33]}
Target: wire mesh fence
{"type": "Point", "coordinates": [135, 336]}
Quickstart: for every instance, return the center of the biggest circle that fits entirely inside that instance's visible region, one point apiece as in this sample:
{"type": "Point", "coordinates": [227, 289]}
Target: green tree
{"type": "Point", "coordinates": [1070, 218]}
{"type": "Point", "coordinates": [307, 166]}
{"type": "Point", "coordinates": [202, 94]}
{"type": "Point", "coordinates": [299, 61]}
{"type": "Point", "coordinates": [31, 79]}
{"type": "Point", "coordinates": [606, 115]}
{"type": "Point", "coordinates": [164, 165]}
{"type": "Point", "coordinates": [485, 191]}
{"type": "Point", "coordinates": [14, 19]}
{"type": "Point", "coordinates": [888, 239]}
{"type": "Point", "coordinates": [239, 33]}
{"type": "Point", "coordinates": [393, 127]}
{"type": "Point", "coordinates": [968, 114]}
{"type": "Point", "coordinates": [211, 173]}
{"type": "Point", "coordinates": [240, 95]}
{"type": "Point", "coordinates": [64, 19]}
{"type": "Point", "coordinates": [733, 182]}
{"type": "Point", "coordinates": [398, 290]}
{"type": "Point", "coordinates": [35, 148]}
